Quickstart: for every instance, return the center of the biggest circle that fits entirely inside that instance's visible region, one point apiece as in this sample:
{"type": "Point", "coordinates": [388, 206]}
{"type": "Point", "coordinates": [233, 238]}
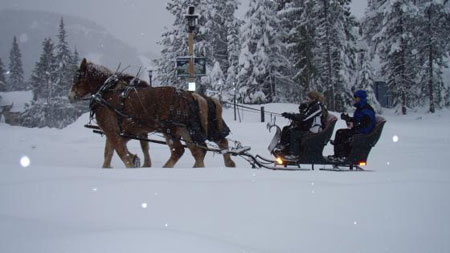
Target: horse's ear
{"type": "Point", "coordinates": [83, 65]}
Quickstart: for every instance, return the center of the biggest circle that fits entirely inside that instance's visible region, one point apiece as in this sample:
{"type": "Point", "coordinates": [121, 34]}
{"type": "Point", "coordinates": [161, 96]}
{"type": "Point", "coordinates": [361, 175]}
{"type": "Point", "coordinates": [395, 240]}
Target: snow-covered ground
{"type": "Point", "coordinates": [64, 202]}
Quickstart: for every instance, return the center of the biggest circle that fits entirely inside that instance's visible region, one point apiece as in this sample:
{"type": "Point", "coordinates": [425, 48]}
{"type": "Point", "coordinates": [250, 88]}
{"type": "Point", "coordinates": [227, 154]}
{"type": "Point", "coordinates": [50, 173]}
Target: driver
{"type": "Point", "coordinates": [308, 120]}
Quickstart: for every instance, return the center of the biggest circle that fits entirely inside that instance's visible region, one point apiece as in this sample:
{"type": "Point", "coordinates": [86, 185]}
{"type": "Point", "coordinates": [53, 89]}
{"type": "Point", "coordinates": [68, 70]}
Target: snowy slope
{"type": "Point", "coordinates": [64, 202]}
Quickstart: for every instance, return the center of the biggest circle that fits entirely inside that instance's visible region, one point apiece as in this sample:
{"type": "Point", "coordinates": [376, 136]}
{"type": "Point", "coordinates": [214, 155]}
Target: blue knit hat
{"type": "Point", "coordinates": [362, 94]}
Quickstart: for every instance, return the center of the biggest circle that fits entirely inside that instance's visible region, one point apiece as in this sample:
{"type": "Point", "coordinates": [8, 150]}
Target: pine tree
{"type": "Point", "coordinates": [75, 59]}
{"type": "Point", "coordinates": [64, 71]}
{"type": "Point", "coordinates": [44, 76]}
{"type": "Point", "coordinates": [364, 79]}
{"type": "Point", "coordinates": [16, 80]}
{"type": "Point", "coordinates": [433, 33]}
{"type": "Point", "coordinates": [372, 23]}
{"type": "Point", "coordinates": [222, 30]}
{"type": "Point", "coordinates": [335, 51]}
{"type": "Point", "coordinates": [299, 33]}
{"type": "Point", "coordinates": [217, 80]}
{"type": "Point", "coordinates": [396, 46]}
{"type": "Point", "coordinates": [2, 77]}
{"type": "Point", "coordinates": [262, 54]}
{"type": "Point", "coordinates": [56, 114]}
{"type": "Point", "coordinates": [233, 46]}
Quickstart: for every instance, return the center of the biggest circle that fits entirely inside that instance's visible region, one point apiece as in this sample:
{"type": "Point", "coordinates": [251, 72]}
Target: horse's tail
{"type": "Point", "coordinates": [203, 111]}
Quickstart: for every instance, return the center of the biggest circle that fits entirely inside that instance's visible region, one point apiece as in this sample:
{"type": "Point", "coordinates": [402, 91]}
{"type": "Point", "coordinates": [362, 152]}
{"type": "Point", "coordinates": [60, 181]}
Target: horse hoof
{"type": "Point", "coordinates": [230, 164]}
{"type": "Point", "coordinates": [136, 162]}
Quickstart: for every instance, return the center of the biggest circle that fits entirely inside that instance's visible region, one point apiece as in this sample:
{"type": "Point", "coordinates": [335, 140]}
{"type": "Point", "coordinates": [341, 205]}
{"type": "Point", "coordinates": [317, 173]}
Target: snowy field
{"type": "Point", "coordinates": [64, 202]}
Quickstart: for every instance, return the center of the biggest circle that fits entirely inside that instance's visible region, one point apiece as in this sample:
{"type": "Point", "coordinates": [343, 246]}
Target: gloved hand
{"type": "Point", "coordinates": [344, 116]}
{"type": "Point", "coordinates": [302, 107]}
{"type": "Point", "coordinates": [287, 115]}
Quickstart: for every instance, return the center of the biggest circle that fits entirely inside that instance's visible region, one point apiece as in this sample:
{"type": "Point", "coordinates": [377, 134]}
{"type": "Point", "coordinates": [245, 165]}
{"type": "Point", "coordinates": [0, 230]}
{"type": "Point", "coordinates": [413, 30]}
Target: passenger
{"type": "Point", "coordinates": [362, 122]}
{"type": "Point", "coordinates": [309, 120]}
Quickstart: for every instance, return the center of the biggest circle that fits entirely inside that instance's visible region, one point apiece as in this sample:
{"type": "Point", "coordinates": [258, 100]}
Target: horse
{"type": "Point", "coordinates": [109, 149]}
{"type": "Point", "coordinates": [177, 114]}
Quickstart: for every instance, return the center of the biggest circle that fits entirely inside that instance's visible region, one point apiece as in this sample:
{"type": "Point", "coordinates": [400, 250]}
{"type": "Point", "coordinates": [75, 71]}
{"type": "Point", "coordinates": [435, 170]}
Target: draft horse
{"type": "Point", "coordinates": [174, 113]}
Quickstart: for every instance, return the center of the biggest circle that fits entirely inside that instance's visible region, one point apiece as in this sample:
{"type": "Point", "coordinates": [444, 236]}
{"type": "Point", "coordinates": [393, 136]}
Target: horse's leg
{"type": "Point", "coordinates": [109, 152]}
{"type": "Point", "coordinates": [223, 145]}
{"type": "Point", "coordinates": [197, 152]}
{"type": "Point", "coordinates": [120, 145]}
{"type": "Point", "coordinates": [176, 151]}
{"type": "Point", "coordinates": [145, 148]}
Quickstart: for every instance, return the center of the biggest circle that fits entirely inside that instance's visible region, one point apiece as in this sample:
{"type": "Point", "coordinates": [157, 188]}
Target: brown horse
{"type": "Point", "coordinates": [166, 110]}
{"type": "Point", "coordinates": [109, 149]}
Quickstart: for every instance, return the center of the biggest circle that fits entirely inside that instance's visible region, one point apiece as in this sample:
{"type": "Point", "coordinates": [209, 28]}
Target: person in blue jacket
{"type": "Point", "coordinates": [362, 122]}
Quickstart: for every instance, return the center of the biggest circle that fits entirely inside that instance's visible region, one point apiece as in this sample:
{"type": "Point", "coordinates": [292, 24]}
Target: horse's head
{"type": "Point", "coordinates": [88, 78]}
{"type": "Point", "coordinates": [80, 87]}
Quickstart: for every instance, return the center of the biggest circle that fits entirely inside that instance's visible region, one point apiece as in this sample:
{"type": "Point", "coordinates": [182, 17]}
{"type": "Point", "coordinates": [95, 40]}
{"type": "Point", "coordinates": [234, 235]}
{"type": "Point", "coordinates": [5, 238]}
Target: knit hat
{"type": "Point", "coordinates": [362, 94]}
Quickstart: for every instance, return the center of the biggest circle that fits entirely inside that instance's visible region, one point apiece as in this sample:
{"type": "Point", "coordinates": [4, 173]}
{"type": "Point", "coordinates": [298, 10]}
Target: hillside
{"type": "Point", "coordinates": [91, 40]}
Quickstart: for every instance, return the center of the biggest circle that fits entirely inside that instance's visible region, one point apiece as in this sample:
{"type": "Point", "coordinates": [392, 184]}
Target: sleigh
{"type": "Point", "coordinates": [361, 145]}
{"type": "Point", "coordinates": [312, 146]}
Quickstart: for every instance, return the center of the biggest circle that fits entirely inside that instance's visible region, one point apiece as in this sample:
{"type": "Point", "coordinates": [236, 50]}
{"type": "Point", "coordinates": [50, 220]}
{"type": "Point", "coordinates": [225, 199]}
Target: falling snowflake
{"type": "Point", "coordinates": [395, 138]}
{"type": "Point", "coordinates": [25, 161]}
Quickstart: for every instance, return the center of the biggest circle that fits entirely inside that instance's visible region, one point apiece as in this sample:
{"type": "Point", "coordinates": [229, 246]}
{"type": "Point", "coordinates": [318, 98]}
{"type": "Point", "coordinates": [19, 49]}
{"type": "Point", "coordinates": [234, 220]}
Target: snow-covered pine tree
{"type": "Point", "coordinates": [433, 35]}
{"type": "Point", "coordinates": [233, 45]}
{"type": "Point", "coordinates": [64, 69]}
{"type": "Point", "coordinates": [217, 80]}
{"type": "Point", "coordinates": [227, 45]}
{"type": "Point", "coordinates": [56, 114]}
{"type": "Point", "coordinates": [365, 74]}
{"type": "Point", "coordinates": [2, 76]}
{"type": "Point", "coordinates": [372, 23]}
{"type": "Point", "coordinates": [16, 80]}
{"type": "Point", "coordinates": [262, 58]}
{"type": "Point", "coordinates": [297, 23]}
{"type": "Point", "coordinates": [44, 73]}
{"type": "Point", "coordinates": [335, 40]}
{"type": "Point", "coordinates": [49, 109]}
{"type": "Point", "coordinates": [75, 62]}
{"type": "Point", "coordinates": [396, 49]}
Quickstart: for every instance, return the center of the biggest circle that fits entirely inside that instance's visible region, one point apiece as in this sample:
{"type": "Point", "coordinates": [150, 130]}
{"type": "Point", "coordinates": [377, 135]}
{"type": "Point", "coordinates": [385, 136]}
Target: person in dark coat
{"type": "Point", "coordinates": [307, 121]}
{"type": "Point", "coordinates": [362, 122]}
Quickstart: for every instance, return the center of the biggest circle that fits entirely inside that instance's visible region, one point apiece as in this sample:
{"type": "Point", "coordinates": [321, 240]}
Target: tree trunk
{"type": "Point", "coordinates": [330, 85]}
{"type": "Point", "coordinates": [430, 63]}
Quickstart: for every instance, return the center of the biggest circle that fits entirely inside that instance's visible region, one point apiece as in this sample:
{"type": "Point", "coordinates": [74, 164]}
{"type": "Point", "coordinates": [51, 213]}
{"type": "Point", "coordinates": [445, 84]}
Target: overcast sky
{"type": "Point", "coordinates": [139, 23]}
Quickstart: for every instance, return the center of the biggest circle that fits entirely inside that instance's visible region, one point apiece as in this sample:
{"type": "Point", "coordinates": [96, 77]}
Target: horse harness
{"type": "Point", "coordinates": [111, 83]}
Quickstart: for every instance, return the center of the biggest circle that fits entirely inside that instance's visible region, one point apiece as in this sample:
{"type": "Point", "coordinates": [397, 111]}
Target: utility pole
{"type": "Point", "coordinates": [150, 77]}
{"type": "Point", "coordinates": [192, 23]}
{"type": "Point", "coordinates": [234, 99]}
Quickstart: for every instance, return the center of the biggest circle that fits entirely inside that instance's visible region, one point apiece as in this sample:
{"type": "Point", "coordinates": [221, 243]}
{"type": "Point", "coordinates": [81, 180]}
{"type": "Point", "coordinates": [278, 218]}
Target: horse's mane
{"type": "Point", "coordinates": [103, 71]}
{"type": "Point", "coordinates": [98, 69]}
